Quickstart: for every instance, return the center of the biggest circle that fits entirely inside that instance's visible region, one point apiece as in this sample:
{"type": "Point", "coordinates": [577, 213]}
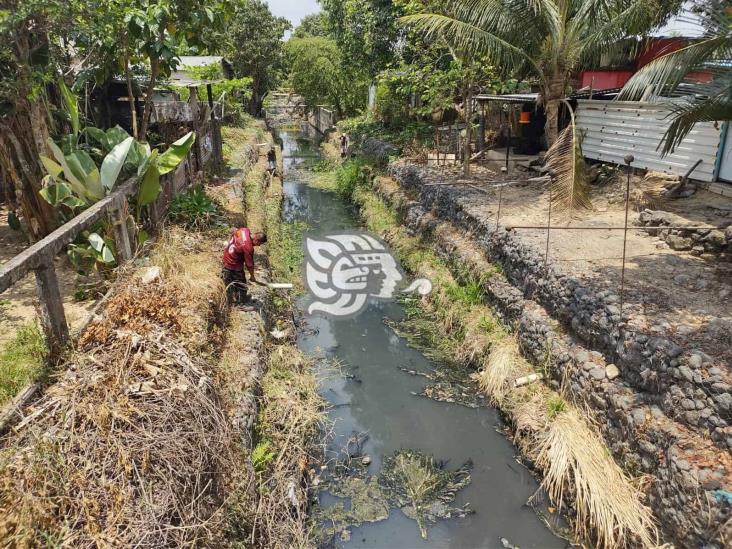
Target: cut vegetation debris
{"type": "Point", "coordinates": [580, 476]}
{"type": "Point", "coordinates": [129, 447]}
{"type": "Point", "coordinates": [422, 489]}
{"type": "Point", "coordinates": [409, 480]}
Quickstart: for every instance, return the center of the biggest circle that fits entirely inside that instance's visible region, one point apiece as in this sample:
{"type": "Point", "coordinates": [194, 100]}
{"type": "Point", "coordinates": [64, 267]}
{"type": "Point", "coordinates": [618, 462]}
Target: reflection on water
{"type": "Point", "coordinates": [378, 399]}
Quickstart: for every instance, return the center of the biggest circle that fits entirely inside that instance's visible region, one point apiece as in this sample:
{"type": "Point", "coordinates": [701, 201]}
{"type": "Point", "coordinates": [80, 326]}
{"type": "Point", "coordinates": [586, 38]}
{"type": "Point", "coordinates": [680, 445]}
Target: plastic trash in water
{"type": "Point", "coordinates": [280, 286]}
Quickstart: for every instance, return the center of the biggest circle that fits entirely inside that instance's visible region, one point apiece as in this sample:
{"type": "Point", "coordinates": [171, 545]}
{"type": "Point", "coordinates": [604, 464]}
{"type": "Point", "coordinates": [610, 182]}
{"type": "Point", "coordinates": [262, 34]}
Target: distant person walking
{"type": "Point", "coordinates": [272, 161]}
{"type": "Point", "coordinates": [344, 145]}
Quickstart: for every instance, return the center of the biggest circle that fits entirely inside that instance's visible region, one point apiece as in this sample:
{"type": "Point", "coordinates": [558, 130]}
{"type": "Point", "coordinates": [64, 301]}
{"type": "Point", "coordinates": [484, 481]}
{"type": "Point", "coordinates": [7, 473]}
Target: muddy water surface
{"type": "Point", "coordinates": [378, 399]}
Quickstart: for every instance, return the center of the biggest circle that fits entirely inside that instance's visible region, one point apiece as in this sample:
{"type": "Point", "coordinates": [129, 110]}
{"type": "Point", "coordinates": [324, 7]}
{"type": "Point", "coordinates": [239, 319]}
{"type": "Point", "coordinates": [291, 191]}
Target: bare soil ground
{"type": "Point", "coordinates": [685, 296]}
{"type": "Point", "coordinates": [18, 305]}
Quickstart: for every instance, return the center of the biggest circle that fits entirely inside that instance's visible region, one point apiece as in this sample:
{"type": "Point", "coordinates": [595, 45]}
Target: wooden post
{"type": "Point", "coordinates": [121, 234]}
{"type": "Point", "coordinates": [218, 147]}
{"type": "Point", "coordinates": [53, 318]}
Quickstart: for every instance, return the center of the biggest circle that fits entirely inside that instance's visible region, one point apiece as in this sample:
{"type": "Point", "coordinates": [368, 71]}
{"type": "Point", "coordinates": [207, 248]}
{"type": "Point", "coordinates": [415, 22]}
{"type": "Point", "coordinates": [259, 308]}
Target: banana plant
{"type": "Point", "coordinates": [75, 182]}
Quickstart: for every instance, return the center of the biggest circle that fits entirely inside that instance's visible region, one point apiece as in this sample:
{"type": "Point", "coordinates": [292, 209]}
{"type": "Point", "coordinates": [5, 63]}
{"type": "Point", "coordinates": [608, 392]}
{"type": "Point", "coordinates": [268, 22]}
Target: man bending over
{"type": "Point", "coordinates": [238, 254]}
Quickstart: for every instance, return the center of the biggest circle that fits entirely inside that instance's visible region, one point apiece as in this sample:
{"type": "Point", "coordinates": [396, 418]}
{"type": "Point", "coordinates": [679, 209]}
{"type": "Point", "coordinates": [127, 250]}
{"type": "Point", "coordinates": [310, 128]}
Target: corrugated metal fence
{"type": "Point", "coordinates": [613, 129]}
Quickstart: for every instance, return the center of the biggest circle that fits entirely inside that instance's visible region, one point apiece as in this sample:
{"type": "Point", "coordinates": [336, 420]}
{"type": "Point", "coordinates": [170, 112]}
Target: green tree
{"type": "Point", "coordinates": [35, 35]}
{"type": "Point", "coordinates": [712, 100]}
{"type": "Point", "coordinates": [548, 40]}
{"type": "Point", "coordinates": [315, 24]}
{"type": "Point", "coordinates": [366, 32]}
{"type": "Point", "coordinates": [255, 48]}
{"type": "Point", "coordinates": [160, 27]}
{"type": "Point", "coordinates": [318, 74]}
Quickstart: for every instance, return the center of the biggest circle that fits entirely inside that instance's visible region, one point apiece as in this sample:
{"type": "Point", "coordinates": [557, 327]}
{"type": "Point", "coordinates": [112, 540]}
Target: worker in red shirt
{"type": "Point", "coordinates": [239, 253]}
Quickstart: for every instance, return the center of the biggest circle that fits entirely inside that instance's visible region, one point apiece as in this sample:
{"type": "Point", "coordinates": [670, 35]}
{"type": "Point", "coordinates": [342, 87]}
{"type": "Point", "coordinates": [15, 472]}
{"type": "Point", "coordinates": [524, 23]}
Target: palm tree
{"type": "Point", "coordinates": [709, 101]}
{"type": "Point", "coordinates": [548, 40]}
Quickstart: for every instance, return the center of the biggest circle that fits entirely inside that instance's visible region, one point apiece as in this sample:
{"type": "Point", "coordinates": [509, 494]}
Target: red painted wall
{"type": "Point", "coordinates": [603, 79]}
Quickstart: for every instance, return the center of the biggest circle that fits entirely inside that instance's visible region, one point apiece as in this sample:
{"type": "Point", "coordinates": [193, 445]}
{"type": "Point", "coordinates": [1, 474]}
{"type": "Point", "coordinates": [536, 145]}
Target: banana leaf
{"type": "Point", "coordinates": [113, 163]}
{"type": "Point", "coordinates": [175, 154]}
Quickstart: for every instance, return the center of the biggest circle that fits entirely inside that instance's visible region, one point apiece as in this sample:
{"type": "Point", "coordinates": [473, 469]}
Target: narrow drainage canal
{"type": "Point", "coordinates": [378, 400]}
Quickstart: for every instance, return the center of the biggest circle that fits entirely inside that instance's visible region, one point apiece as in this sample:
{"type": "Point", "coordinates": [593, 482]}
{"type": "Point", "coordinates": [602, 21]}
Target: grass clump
{"type": "Point", "coordinates": [22, 361]}
{"type": "Point", "coordinates": [289, 428]}
{"type": "Point", "coordinates": [350, 175]}
{"type": "Point", "coordinates": [196, 210]}
{"type": "Point", "coordinates": [262, 456]}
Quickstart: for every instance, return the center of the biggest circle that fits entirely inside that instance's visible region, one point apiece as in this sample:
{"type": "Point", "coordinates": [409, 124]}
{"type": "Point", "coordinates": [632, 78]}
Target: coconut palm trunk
{"type": "Point", "coordinates": [552, 98]}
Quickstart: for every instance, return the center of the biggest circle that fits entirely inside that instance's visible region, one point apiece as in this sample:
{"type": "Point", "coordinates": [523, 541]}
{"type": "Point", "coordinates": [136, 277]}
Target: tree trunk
{"type": "Point", "coordinates": [25, 176]}
{"type": "Point", "coordinates": [468, 131]}
{"type": "Point", "coordinates": [130, 93]}
{"type": "Point", "coordinates": [553, 95]}
{"type": "Point", "coordinates": [154, 71]}
{"type": "Point", "coordinates": [23, 138]}
{"type": "Point", "coordinates": [154, 68]}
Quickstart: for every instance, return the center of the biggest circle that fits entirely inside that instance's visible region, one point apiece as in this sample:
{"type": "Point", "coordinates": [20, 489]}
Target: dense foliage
{"type": "Point", "coordinates": [318, 73]}
{"type": "Point", "coordinates": [253, 44]}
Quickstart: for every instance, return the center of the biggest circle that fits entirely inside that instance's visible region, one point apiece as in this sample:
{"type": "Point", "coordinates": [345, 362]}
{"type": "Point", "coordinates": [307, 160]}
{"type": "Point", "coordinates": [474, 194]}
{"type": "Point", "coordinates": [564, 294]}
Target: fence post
{"type": "Point", "coordinates": [53, 318]}
{"type": "Point", "coordinates": [215, 131]}
{"type": "Point", "coordinates": [121, 234]}
{"type": "Point", "coordinates": [628, 160]}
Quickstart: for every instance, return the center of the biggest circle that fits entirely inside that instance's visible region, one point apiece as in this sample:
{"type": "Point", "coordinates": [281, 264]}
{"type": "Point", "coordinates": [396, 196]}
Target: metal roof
{"type": "Point", "coordinates": [509, 97]}
{"type": "Point", "coordinates": [199, 60]}
{"type": "Point", "coordinates": [613, 129]}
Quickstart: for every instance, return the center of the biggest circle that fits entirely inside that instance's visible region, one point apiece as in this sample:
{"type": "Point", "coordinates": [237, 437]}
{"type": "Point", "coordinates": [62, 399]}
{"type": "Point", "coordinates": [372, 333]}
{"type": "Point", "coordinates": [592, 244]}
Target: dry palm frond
{"type": "Point", "coordinates": [569, 187]}
{"type": "Point", "coordinates": [576, 463]}
{"type": "Point", "coordinates": [500, 368]}
{"type": "Point", "coordinates": [651, 191]}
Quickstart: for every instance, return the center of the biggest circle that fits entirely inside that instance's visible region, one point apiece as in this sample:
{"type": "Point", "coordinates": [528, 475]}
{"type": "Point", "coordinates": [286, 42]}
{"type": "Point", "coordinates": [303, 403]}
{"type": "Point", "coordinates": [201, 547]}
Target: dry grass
{"type": "Point", "coordinates": [577, 467]}
{"type": "Point", "coordinates": [126, 449]}
{"type": "Point", "coordinates": [190, 264]}
{"type": "Point", "coordinates": [290, 427]}
{"type": "Point", "coordinates": [501, 368]}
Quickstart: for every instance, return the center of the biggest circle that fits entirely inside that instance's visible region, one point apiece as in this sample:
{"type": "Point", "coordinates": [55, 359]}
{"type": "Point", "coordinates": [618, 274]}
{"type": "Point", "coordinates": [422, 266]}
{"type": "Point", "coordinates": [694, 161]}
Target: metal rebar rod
{"type": "Point", "coordinates": [628, 160]}
{"type": "Point", "coordinates": [508, 145]}
{"type": "Point", "coordinates": [548, 226]}
{"type": "Point", "coordinates": [500, 203]}
{"type": "Point", "coordinates": [640, 228]}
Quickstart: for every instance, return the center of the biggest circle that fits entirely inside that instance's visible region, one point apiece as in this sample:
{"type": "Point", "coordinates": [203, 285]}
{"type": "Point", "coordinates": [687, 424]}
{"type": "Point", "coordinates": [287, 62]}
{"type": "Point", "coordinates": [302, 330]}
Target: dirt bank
{"type": "Point", "coordinates": [149, 435]}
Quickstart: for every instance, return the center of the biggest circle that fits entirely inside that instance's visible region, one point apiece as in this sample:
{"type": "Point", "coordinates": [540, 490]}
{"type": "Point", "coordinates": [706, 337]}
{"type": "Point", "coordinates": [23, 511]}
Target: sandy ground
{"type": "Point", "coordinates": [18, 305]}
{"type": "Point", "coordinates": [670, 291]}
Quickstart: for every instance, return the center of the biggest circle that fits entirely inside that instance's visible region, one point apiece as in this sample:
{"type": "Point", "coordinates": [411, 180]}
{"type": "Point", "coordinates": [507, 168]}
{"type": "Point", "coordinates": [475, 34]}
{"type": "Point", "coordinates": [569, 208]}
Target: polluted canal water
{"type": "Point", "coordinates": [375, 407]}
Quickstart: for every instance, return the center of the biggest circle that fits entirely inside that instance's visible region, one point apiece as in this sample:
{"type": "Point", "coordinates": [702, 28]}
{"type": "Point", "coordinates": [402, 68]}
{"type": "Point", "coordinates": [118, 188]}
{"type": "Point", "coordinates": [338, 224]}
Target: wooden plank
{"type": "Point", "coordinates": [53, 318]}
{"type": "Point", "coordinates": [12, 410]}
{"type": "Point", "coordinates": [34, 256]}
{"type": "Point", "coordinates": [121, 232]}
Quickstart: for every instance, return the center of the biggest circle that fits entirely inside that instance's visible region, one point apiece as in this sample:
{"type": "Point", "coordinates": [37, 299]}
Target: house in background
{"type": "Point", "coordinates": [614, 70]}
{"type": "Point", "coordinates": [184, 74]}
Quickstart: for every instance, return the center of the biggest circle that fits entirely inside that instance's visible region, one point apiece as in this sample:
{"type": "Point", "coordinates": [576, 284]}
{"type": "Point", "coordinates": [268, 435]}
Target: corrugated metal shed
{"type": "Point", "coordinates": [613, 129]}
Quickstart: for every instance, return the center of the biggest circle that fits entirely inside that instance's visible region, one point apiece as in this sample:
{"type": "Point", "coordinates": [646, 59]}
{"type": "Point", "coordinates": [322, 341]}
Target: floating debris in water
{"type": "Point", "coordinates": [409, 480]}
{"type": "Point", "coordinates": [451, 386]}
{"type": "Point", "coordinates": [423, 490]}
{"type": "Point", "coordinates": [367, 504]}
